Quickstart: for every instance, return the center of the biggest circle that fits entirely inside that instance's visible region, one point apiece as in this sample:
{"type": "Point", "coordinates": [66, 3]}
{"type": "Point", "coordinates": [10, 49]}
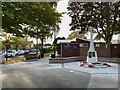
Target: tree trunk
{"type": "Point", "coordinates": [42, 44]}
{"type": "Point", "coordinates": [108, 52]}
{"type": "Point", "coordinates": [16, 48]}
{"type": "Point", "coordinates": [42, 51]}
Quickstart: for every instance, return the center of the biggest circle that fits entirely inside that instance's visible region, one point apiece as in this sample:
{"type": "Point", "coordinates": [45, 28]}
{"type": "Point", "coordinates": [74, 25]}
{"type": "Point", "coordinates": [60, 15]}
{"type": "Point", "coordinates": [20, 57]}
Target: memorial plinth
{"type": "Point", "coordinates": [92, 54]}
{"type": "Point", "coordinates": [92, 60]}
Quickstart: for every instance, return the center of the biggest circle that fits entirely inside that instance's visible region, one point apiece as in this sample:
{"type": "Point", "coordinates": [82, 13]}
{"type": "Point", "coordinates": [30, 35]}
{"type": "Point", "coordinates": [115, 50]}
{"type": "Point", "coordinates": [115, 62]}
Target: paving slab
{"type": "Point", "coordinates": [109, 70]}
{"type": "Point", "coordinates": [100, 77]}
{"type": "Point", "coordinates": [103, 81]}
{"type": "Point", "coordinates": [40, 74]}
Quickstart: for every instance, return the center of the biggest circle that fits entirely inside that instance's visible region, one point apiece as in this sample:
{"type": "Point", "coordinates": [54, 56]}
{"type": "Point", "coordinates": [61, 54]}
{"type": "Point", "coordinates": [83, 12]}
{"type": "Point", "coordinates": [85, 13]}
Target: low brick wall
{"type": "Point", "coordinates": [65, 60]}
{"type": "Point", "coordinates": [30, 56]}
{"type": "Point", "coordinates": [105, 59]}
{"type": "Point", "coordinates": [72, 59]}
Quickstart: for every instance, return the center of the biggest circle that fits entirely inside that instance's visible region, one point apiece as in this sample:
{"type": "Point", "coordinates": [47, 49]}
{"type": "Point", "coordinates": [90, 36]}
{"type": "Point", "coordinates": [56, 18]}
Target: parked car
{"type": "Point", "coordinates": [35, 51]}
{"type": "Point", "coordinates": [26, 51]}
{"type": "Point", "coordinates": [47, 46]}
{"type": "Point", "coordinates": [10, 53]}
{"type": "Point", "coordinates": [21, 52]}
{"type": "Point", "coordinates": [15, 52]}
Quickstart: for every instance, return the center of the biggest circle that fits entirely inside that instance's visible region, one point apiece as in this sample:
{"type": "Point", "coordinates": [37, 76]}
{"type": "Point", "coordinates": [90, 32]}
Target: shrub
{"type": "Point", "coordinates": [47, 50]}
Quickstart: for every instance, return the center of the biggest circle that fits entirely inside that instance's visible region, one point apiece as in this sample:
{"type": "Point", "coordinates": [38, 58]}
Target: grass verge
{"type": "Point", "coordinates": [11, 61]}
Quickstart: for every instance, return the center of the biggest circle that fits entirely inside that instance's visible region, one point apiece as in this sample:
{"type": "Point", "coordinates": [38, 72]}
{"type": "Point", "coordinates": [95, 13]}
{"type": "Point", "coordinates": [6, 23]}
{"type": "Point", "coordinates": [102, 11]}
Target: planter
{"type": "Point", "coordinates": [42, 55]}
{"type": "Point", "coordinates": [31, 56]}
{"type": "Point", "coordinates": [52, 55]}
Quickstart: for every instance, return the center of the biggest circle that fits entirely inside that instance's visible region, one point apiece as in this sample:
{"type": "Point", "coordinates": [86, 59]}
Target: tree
{"type": "Point", "coordinates": [76, 34]}
{"type": "Point", "coordinates": [16, 14]}
{"type": "Point", "coordinates": [37, 16]}
{"type": "Point", "coordinates": [15, 42]}
{"type": "Point", "coordinates": [58, 38]}
{"type": "Point", "coordinates": [20, 43]}
{"type": "Point", "coordinates": [104, 17]}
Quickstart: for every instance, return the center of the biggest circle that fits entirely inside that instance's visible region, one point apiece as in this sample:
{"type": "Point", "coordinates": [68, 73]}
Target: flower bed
{"type": "Point", "coordinates": [90, 65]}
{"type": "Point", "coordinates": [11, 61]}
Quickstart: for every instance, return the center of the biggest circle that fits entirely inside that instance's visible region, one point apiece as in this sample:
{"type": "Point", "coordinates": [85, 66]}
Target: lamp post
{"type": "Point", "coordinates": [37, 42]}
{"type": "Point", "coordinates": [6, 44]}
{"type": "Point", "coordinates": [54, 43]}
{"type": "Point", "coordinates": [92, 54]}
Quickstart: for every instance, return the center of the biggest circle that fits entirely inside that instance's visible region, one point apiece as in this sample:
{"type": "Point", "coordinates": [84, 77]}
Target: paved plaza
{"type": "Point", "coordinates": [41, 74]}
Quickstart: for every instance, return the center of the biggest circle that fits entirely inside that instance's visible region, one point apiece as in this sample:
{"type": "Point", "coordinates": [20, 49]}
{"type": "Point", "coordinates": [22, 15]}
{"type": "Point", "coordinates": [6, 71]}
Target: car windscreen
{"type": "Point", "coordinates": [9, 51]}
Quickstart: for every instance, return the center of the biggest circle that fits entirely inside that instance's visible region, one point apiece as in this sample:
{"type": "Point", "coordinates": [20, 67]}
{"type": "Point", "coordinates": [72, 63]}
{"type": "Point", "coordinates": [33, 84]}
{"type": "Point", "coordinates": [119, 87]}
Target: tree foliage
{"type": "Point", "coordinates": [104, 17]}
{"type": "Point", "coordinates": [76, 34]}
{"type": "Point", "coordinates": [35, 19]}
{"type": "Point", "coordinates": [58, 38]}
{"type": "Point", "coordinates": [33, 14]}
{"type": "Point", "coordinates": [20, 43]}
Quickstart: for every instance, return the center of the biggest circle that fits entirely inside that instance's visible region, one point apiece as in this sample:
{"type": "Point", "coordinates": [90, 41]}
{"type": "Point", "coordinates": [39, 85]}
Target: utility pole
{"type": "Point", "coordinates": [37, 42]}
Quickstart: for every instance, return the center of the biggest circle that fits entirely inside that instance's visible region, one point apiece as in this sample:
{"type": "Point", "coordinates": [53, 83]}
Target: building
{"type": "Point", "coordinates": [80, 47]}
{"type": "Point", "coordinates": [65, 48]}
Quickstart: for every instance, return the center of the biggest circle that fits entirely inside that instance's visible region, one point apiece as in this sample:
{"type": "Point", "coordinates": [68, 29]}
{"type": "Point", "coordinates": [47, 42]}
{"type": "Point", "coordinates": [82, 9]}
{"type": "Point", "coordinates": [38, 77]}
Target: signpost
{"type": "Point", "coordinates": [6, 44]}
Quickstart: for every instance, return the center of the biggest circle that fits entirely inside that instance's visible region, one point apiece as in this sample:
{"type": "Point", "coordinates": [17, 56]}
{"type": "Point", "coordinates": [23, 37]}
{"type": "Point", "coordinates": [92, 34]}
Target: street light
{"type": "Point", "coordinates": [55, 32]}
{"type": "Point", "coordinates": [37, 42]}
{"type": "Point", "coordinates": [54, 43]}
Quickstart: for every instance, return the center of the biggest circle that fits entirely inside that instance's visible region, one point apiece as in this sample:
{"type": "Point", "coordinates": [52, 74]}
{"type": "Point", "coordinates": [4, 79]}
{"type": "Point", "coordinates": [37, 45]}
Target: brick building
{"type": "Point", "coordinates": [80, 47]}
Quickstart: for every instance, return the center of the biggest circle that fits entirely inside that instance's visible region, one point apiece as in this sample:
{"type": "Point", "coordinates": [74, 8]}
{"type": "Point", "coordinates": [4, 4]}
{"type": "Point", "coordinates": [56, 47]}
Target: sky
{"type": "Point", "coordinates": [64, 26]}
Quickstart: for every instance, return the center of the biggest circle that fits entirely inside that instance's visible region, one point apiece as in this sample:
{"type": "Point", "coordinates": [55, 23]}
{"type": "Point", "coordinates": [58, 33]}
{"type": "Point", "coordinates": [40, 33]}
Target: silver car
{"type": "Point", "coordinates": [10, 53]}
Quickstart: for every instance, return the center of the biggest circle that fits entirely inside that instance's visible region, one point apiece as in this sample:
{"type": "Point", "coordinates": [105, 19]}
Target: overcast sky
{"type": "Point", "coordinates": [64, 26]}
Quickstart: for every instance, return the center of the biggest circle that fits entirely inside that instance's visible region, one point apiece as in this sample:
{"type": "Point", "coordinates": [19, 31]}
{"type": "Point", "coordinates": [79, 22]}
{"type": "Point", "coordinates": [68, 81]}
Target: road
{"type": "Point", "coordinates": [41, 74]}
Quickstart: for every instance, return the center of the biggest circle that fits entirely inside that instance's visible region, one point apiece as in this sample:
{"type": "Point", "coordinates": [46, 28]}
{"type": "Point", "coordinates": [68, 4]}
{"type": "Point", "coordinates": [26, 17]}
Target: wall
{"type": "Point", "coordinates": [101, 50]}
{"type": "Point", "coordinates": [82, 51]}
{"type": "Point", "coordinates": [70, 50]}
{"type": "Point", "coordinates": [115, 50]}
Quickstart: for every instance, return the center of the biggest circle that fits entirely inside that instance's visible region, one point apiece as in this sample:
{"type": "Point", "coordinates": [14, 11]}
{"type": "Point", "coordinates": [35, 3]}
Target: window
{"type": "Point", "coordinates": [97, 45]}
{"type": "Point", "coordinates": [68, 47]}
{"type": "Point", "coordinates": [83, 44]}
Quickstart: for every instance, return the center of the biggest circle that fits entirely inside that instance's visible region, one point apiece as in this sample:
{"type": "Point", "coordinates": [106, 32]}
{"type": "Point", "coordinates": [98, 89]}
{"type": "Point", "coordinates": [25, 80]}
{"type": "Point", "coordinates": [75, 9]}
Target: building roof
{"type": "Point", "coordinates": [88, 40]}
{"type": "Point", "coordinates": [83, 39]}
{"type": "Point", "coordinates": [64, 41]}
{"type": "Point", "coordinates": [99, 41]}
